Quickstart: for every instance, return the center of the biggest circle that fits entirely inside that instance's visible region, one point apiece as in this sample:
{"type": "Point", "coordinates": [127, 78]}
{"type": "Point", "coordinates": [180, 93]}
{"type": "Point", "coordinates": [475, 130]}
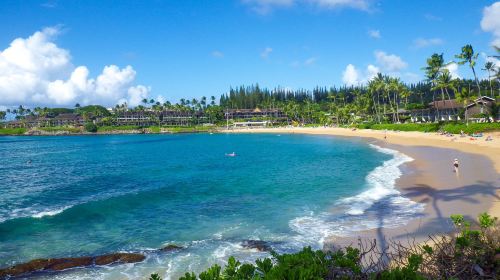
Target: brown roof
{"type": "Point", "coordinates": [446, 104]}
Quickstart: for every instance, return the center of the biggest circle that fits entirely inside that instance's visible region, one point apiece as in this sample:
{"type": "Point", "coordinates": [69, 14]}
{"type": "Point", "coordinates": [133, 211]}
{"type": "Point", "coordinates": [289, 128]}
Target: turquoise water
{"type": "Point", "coordinates": [87, 195]}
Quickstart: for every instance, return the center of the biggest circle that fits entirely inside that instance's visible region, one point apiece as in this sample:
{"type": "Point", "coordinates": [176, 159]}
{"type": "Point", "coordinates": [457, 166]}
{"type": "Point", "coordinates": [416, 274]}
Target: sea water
{"type": "Point", "coordinates": [69, 196]}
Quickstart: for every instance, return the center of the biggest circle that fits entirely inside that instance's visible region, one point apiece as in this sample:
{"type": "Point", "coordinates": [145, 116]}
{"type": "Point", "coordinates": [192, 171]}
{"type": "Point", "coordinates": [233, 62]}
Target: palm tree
{"type": "Point", "coordinates": [212, 100]}
{"type": "Point", "coordinates": [490, 67]}
{"type": "Point", "coordinates": [145, 101]}
{"type": "Point", "coordinates": [468, 56]}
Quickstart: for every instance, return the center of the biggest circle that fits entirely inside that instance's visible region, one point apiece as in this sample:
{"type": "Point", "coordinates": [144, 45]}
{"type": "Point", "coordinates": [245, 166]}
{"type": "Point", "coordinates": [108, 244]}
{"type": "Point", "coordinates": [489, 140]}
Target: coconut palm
{"type": "Point", "coordinates": [490, 68]}
{"type": "Point", "coordinates": [468, 56]}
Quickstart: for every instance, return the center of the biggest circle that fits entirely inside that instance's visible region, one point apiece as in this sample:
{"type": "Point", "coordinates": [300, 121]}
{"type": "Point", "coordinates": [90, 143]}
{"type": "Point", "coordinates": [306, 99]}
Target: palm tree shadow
{"type": "Point", "coordinates": [429, 195]}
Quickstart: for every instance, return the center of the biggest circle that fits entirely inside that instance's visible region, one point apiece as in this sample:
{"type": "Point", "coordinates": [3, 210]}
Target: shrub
{"type": "Point", "coordinates": [90, 127]}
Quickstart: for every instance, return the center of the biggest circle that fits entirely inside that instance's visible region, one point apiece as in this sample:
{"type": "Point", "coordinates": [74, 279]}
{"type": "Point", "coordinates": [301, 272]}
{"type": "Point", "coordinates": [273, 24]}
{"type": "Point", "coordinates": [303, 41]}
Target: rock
{"type": "Point", "coordinates": [171, 247]}
{"type": "Point", "coordinates": [119, 258]}
{"type": "Point", "coordinates": [256, 244]}
{"type": "Point", "coordinates": [23, 268]}
{"type": "Point", "coordinates": [66, 263]}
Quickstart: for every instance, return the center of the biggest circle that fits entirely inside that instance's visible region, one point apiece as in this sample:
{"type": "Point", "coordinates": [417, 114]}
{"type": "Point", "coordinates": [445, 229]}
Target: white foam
{"type": "Point", "coordinates": [382, 182]}
{"type": "Point", "coordinates": [314, 229]}
{"type": "Point", "coordinates": [50, 212]}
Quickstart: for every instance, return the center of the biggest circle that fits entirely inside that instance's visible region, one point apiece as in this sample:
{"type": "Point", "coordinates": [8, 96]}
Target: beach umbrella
{"type": "Point", "coordinates": [458, 117]}
{"type": "Point", "coordinates": [449, 118]}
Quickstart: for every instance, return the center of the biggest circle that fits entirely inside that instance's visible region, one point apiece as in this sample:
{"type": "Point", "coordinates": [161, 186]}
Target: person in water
{"type": "Point", "coordinates": [455, 165]}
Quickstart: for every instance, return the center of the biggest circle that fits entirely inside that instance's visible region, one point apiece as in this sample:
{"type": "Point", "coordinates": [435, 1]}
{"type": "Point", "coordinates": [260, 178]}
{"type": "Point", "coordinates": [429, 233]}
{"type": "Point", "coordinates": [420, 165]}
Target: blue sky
{"type": "Point", "coordinates": [192, 48]}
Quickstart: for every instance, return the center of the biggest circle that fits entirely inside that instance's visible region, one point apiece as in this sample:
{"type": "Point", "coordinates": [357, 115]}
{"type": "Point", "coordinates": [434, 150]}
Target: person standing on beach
{"type": "Point", "coordinates": [455, 165]}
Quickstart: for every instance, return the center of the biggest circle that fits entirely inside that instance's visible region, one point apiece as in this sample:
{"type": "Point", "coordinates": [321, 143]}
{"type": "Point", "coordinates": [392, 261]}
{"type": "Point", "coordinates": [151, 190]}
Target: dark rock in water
{"type": "Point", "coordinates": [66, 263]}
{"type": "Point", "coordinates": [119, 258]}
{"type": "Point", "coordinates": [171, 247]}
{"type": "Point", "coordinates": [257, 244]}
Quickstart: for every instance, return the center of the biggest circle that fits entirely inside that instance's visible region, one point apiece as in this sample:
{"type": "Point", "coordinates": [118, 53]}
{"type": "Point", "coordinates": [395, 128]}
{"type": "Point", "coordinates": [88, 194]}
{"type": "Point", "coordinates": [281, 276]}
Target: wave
{"type": "Point", "coordinates": [50, 212]}
{"type": "Point", "coordinates": [382, 182]}
{"type": "Point", "coordinates": [381, 205]}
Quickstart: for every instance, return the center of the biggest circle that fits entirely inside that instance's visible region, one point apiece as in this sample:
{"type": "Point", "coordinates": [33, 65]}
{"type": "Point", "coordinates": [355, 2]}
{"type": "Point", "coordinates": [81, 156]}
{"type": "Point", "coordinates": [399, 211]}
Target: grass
{"type": "Point", "coordinates": [117, 128]}
{"type": "Point", "coordinates": [60, 128]}
{"type": "Point", "coordinates": [12, 131]}
{"type": "Point", "coordinates": [183, 129]}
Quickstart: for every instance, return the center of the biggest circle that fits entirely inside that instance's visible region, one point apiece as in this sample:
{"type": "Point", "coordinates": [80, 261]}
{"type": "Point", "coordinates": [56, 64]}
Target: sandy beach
{"type": "Point", "coordinates": [429, 178]}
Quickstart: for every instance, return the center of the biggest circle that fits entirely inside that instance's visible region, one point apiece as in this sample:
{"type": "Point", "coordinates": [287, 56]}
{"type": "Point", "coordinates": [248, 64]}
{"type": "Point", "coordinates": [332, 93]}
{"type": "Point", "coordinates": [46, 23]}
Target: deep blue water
{"type": "Point", "coordinates": [87, 195]}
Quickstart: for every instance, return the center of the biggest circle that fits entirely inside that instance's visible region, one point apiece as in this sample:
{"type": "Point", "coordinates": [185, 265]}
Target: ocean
{"type": "Point", "coordinates": [67, 196]}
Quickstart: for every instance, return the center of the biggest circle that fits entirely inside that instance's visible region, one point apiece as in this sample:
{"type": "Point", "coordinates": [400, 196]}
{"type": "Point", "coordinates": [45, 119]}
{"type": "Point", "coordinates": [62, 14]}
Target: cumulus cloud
{"type": "Point", "coordinates": [35, 71]}
{"type": "Point", "coordinates": [266, 52]}
{"type": "Point", "coordinates": [266, 6]}
{"type": "Point", "coordinates": [491, 22]}
{"type": "Point", "coordinates": [374, 34]}
{"type": "Point", "coordinates": [352, 76]}
{"type": "Point", "coordinates": [390, 62]}
{"type": "Point", "coordinates": [453, 68]}
{"type": "Point", "coordinates": [423, 42]}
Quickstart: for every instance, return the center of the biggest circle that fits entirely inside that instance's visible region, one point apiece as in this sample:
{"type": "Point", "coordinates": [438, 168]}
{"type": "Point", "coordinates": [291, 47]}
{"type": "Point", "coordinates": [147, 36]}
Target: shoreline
{"type": "Point", "coordinates": [428, 178]}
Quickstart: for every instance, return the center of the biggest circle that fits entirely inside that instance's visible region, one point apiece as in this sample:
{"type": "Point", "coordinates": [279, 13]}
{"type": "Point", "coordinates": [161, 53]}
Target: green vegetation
{"type": "Point", "coordinates": [428, 127]}
{"type": "Point", "coordinates": [61, 128]}
{"type": "Point", "coordinates": [117, 128]}
{"type": "Point", "coordinates": [471, 128]}
{"type": "Point", "coordinates": [12, 131]}
{"type": "Point", "coordinates": [465, 254]}
{"type": "Point", "coordinates": [183, 129]}
{"type": "Point", "coordinates": [90, 127]}
{"type": "Point", "coordinates": [454, 128]}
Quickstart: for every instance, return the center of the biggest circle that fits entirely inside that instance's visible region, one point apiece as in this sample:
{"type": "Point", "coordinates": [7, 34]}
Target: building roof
{"type": "Point", "coordinates": [482, 100]}
{"type": "Point", "coordinates": [446, 104]}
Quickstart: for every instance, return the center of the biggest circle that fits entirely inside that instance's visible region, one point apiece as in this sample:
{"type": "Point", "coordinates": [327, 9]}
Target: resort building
{"type": "Point", "coordinates": [450, 110]}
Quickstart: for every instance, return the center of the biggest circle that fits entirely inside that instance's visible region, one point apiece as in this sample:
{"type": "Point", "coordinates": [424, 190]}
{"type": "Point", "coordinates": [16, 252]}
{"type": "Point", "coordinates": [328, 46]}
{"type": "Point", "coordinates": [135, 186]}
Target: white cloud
{"type": "Point", "coordinates": [374, 34]}
{"type": "Point", "coordinates": [390, 62]}
{"type": "Point", "coordinates": [332, 4]}
{"type": "Point", "coordinates": [266, 52]}
{"type": "Point", "coordinates": [266, 6]}
{"type": "Point", "coordinates": [35, 71]}
{"type": "Point", "coordinates": [352, 76]}
{"type": "Point", "coordinates": [423, 42]}
{"type": "Point", "coordinates": [491, 22]}
{"type": "Point", "coordinates": [453, 68]}
{"type": "Point", "coordinates": [218, 54]}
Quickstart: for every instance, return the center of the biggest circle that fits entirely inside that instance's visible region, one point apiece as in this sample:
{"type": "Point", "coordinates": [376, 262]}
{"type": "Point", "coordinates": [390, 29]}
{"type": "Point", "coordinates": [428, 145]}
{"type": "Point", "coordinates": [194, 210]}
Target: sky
{"type": "Point", "coordinates": [58, 53]}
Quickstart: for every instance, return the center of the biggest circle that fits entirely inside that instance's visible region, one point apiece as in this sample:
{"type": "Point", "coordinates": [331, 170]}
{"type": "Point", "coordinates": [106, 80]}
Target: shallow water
{"type": "Point", "coordinates": [87, 195]}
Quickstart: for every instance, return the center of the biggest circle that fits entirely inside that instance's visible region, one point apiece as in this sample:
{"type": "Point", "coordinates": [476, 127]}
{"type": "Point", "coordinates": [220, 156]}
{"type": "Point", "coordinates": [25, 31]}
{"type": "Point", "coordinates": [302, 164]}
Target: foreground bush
{"type": "Point", "coordinates": [468, 253]}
